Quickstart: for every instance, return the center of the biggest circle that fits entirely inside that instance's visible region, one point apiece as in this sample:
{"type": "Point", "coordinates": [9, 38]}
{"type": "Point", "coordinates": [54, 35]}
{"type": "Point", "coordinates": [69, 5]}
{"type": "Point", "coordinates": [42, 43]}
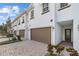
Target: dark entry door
{"type": "Point", "coordinates": [68, 35]}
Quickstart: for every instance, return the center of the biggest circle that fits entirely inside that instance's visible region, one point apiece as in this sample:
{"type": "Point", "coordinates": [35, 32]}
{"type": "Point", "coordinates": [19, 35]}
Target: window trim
{"type": "Point", "coordinates": [19, 22]}
{"type": "Point", "coordinates": [64, 7]}
{"type": "Point", "coordinates": [46, 7]}
{"type": "Point", "coordinates": [32, 14]}
{"type": "Point", "coordinates": [23, 20]}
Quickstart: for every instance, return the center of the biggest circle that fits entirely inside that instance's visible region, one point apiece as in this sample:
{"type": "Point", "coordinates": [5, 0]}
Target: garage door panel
{"type": "Point", "coordinates": [41, 35]}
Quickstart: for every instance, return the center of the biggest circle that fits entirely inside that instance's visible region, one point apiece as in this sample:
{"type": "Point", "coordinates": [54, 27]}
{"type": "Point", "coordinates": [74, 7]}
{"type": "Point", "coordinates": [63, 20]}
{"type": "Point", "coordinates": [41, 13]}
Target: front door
{"type": "Point", "coordinates": [68, 35]}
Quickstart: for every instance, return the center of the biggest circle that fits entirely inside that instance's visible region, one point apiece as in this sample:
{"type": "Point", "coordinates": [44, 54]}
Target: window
{"type": "Point", "coordinates": [19, 22]}
{"type": "Point", "coordinates": [62, 5]}
{"type": "Point", "coordinates": [45, 8]}
{"type": "Point", "coordinates": [32, 14]}
{"type": "Point", "coordinates": [23, 20]}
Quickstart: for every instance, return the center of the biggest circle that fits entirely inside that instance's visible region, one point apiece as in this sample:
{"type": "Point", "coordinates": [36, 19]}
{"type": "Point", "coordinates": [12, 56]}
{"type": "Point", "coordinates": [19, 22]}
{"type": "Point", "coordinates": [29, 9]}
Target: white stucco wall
{"type": "Point", "coordinates": [64, 14]}
{"type": "Point", "coordinates": [43, 20]}
{"type": "Point", "coordinates": [58, 37]}
{"type": "Point", "coordinates": [75, 26]}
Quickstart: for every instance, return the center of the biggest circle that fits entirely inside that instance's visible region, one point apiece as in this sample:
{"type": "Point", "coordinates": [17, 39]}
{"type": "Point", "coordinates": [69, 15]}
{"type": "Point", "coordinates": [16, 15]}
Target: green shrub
{"type": "Point", "coordinates": [50, 50]}
{"type": "Point", "coordinates": [60, 48]}
{"type": "Point", "coordinates": [19, 37]}
{"type": "Point", "coordinates": [74, 53]}
{"type": "Point", "coordinates": [70, 49]}
{"type": "Point", "coordinates": [55, 46]}
{"type": "Point", "coordinates": [14, 39]}
{"type": "Point", "coordinates": [9, 35]}
{"type": "Point", "coordinates": [50, 47]}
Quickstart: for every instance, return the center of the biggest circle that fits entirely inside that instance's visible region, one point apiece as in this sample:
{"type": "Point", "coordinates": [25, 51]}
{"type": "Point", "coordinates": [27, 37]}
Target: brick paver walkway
{"type": "Point", "coordinates": [24, 48]}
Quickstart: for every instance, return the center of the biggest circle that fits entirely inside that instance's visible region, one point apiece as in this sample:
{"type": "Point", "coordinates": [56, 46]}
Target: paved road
{"type": "Point", "coordinates": [24, 48]}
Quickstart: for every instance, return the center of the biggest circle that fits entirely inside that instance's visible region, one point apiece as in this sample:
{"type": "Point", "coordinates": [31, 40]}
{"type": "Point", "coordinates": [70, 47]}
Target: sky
{"type": "Point", "coordinates": [11, 10]}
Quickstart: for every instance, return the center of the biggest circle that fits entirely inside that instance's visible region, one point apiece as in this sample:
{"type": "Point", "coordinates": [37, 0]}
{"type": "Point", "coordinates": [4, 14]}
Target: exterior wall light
{"type": "Point", "coordinates": [51, 20]}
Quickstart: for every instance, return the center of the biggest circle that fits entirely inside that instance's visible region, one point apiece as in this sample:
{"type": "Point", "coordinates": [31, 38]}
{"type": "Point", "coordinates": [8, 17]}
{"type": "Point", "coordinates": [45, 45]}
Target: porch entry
{"type": "Point", "coordinates": [68, 35]}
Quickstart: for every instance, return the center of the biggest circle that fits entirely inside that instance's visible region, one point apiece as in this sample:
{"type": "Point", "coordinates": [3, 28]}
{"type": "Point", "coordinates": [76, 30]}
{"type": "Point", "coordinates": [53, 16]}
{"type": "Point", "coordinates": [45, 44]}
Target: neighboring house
{"type": "Point", "coordinates": [52, 23]}
{"type": "Point", "coordinates": [18, 25]}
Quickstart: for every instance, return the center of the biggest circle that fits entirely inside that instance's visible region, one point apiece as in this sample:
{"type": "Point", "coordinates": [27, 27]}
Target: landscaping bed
{"type": "Point", "coordinates": [59, 51]}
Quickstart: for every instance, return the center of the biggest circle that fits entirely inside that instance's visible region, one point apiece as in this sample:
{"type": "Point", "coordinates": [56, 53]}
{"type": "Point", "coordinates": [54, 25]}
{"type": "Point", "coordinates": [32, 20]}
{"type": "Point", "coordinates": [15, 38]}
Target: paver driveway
{"type": "Point", "coordinates": [24, 48]}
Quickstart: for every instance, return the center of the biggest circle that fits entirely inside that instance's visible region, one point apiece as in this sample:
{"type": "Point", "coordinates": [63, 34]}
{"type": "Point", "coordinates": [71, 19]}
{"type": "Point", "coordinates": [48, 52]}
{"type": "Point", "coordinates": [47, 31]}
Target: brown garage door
{"type": "Point", "coordinates": [41, 35]}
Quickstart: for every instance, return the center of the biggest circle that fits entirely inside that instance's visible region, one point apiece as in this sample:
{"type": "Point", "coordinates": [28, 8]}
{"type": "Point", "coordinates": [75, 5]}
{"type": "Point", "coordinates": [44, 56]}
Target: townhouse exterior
{"type": "Point", "coordinates": [18, 25]}
{"type": "Point", "coordinates": [51, 23]}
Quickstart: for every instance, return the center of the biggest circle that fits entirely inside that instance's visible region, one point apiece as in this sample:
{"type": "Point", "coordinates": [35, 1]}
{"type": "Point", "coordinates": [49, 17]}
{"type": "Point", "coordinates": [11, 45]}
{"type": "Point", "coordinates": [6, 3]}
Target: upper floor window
{"type": "Point", "coordinates": [32, 14]}
{"type": "Point", "coordinates": [19, 22]}
{"type": "Point", "coordinates": [64, 5]}
{"type": "Point", "coordinates": [45, 8]}
{"type": "Point", "coordinates": [23, 20]}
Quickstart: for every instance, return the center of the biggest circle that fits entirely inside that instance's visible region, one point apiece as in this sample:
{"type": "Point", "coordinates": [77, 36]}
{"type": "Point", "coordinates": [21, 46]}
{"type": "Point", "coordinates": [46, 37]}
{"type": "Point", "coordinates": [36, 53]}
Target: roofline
{"type": "Point", "coordinates": [26, 11]}
{"type": "Point", "coordinates": [19, 16]}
